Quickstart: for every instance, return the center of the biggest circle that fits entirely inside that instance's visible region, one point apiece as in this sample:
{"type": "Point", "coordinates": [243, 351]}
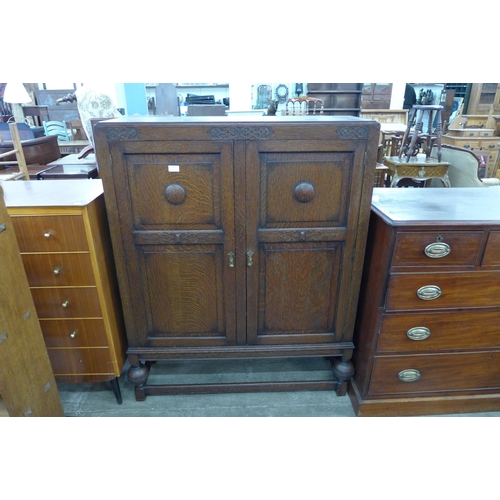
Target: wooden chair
{"type": "Point", "coordinates": [304, 106]}
{"type": "Point", "coordinates": [36, 114]}
{"type": "Point", "coordinates": [19, 154]}
{"type": "Point", "coordinates": [77, 130]}
{"type": "Point", "coordinates": [57, 128]}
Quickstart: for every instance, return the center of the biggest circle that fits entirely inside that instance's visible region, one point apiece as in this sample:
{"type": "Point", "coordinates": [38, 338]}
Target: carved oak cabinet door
{"type": "Point", "coordinates": [177, 218]}
{"type": "Point", "coordinates": [300, 235]}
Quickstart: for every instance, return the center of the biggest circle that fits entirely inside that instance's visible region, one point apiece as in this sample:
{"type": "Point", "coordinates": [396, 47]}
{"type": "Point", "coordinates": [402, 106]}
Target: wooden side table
{"type": "Point", "coordinates": [418, 168]}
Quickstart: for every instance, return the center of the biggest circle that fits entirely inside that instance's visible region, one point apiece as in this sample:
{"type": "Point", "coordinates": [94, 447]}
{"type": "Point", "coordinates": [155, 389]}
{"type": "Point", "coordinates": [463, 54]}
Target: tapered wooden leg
{"type": "Point", "coordinates": [116, 390]}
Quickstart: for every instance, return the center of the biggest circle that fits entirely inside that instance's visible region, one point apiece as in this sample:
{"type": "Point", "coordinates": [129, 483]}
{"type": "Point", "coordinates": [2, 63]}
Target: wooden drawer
{"type": "Point", "coordinates": [438, 372]}
{"type": "Point", "coordinates": [73, 361]}
{"type": "Point", "coordinates": [74, 332]}
{"type": "Point", "coordinates": [440, 248]}
{"type": "Point", "coordinates": [59, 269]}
{"type": "Point", "coordinates": [492, 254]}
{"type": "Point", "coordinates": [466, 289]}
{"type": "Point", "coordinates": [50, 233]}
{"type": "Point", "coordinates": [445, 330]}
{"type": "Point", "coordinates": [82, 302]}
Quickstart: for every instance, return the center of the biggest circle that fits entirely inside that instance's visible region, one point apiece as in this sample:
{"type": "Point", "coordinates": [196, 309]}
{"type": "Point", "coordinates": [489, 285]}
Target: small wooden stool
{"type": "Point", "coordinates": [419, 110]}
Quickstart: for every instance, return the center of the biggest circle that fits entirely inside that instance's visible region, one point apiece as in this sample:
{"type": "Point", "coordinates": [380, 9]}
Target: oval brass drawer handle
{"type": "Point", "coordinates": [65, 303]}
{"type": "Point", "coordinates": [57, 270]}
{"type": "Point", "coordinates": [47, 234]}
{"type": "Point", "coordinates": [409, 375]}
{"type": "Point", "coordinates": [73, 334]}
{"type": "Point", "coordinates": [437, 250]}
{"type": "Point", "coordinates": [418, 333]}
{"type": "Point", "coordinates": [429, 292]}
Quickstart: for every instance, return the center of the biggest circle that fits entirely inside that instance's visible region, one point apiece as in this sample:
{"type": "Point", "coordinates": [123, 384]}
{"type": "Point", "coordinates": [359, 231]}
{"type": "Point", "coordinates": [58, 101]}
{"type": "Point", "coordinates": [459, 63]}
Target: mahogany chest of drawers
{"type": "Point", "coordinates": [63, 236]}
{"type": "Point", "coordinates": [427, 333]}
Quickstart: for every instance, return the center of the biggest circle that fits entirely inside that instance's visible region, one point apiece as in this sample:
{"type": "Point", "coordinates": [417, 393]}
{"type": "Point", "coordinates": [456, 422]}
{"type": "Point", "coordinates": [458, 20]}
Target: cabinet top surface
{"type": "Point", "coordinates": [231, 120]}
{"type": "Point", "coordinates": [54, 193]}
{"type": "Point", "coordinates": [454, 205]}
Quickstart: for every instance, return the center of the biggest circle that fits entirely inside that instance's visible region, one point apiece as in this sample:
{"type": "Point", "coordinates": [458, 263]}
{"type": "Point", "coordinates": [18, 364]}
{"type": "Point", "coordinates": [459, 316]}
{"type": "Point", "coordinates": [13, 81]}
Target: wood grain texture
{"type": "Point", "coordinates": [448, 330]}
{"type": "Point", "coordinates": [492, 253]}
{"type": "Point", "coordinates": [60, 269]}
{"type": "Point", "coordinates": [459, 289]}
{"type": "Point", "coordinates": [464, 248]}
{"type": "Point", "coordinates": [438, 372]}
{"type": "Point", "coordinates": [51, 233]}
{"type": "Point", "coordinates": [79, 247]}
{"type": "Point", "coordinates": [458, 353]}
{"type": "Point", "coordinates": [27, 383]}
{"type": "Point", "coordinates": [287, 198]}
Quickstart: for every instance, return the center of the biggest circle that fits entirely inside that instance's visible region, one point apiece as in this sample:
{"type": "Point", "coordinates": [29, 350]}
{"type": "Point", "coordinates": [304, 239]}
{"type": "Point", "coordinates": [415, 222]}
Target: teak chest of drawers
{"type": "Point", "coordinates": [63, 236]}
{"type": "Point", "coordinates": [427, 333]}
{"type": "Point", "coordinates": [238, 238]}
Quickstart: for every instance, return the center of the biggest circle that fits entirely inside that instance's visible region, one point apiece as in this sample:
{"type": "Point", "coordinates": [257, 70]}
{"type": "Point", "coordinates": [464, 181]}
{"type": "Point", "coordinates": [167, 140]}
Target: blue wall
{"type": "Point", "coordinates": [132, 97]}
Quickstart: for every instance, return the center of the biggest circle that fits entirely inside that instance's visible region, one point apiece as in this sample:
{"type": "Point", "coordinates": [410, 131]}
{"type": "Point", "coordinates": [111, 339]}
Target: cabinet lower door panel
{"type": "Point", "coordinates": [298, 288]}
{"type": "Point", "coordinates": [185, 295]}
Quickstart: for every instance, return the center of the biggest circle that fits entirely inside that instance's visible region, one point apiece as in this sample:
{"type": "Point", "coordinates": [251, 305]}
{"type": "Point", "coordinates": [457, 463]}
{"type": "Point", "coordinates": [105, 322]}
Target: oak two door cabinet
{"type": "Point", "coordinates": [63, 237]}
{"type": "Point", "coordinates": [238, 238]}
{"type": "Point", "coordinates": [427, 335]}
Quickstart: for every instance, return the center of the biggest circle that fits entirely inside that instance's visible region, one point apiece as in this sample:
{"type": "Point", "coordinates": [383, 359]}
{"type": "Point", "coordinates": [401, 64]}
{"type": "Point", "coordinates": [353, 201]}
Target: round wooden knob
{"type": "Point", "coordinates": [175, 194]}
{"type": "Point", "coordinates": [304, 192]}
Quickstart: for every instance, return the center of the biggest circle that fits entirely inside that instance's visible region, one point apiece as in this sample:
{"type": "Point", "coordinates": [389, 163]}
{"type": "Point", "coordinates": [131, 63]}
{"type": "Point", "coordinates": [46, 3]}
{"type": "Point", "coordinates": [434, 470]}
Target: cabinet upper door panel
{"type": "Point", "coordinates": [175, 191]}
{"type": "Point", "coordinates": [304, 188]}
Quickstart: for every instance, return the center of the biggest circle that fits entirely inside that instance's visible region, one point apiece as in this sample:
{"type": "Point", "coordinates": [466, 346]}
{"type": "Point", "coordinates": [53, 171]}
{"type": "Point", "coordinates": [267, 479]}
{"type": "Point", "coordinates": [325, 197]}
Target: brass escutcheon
{"type": "Point", "coordinates": [230, 257]}
{"type": "Point", "coordinates": [249, 258]}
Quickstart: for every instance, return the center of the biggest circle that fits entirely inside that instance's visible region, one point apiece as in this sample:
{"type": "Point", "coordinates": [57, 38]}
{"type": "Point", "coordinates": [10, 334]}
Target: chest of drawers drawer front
{"type": "Point", "coordinates": [492, 254]}
{"type": "Point", "coordinates": [78, 361]}
{"type": "Point", "coordinates": [60, 269]}
{"type": "Point", "coordinates": [74, 332]}
{"type": "Point", "coordinates": [468, 289]}
{"type": "Point", "coordinates": [437, 249]}
{"type": "Point", "coordinates": [436, 372]}
{"type": "Point", "coordinates": [50, 233]}
{"type": "Point", "coordinates": [439, 331]}
{"type": "Point", "coordinates": [66, 302]}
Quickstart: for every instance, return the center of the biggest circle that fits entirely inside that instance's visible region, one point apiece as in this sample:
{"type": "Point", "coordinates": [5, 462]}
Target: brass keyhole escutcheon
{"type": "Point", "coordinates": [304, 192]}
{"type": "Point", "coordinates": [249, 258]}
{"type": "Point", "coordinates": [230, 258]}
